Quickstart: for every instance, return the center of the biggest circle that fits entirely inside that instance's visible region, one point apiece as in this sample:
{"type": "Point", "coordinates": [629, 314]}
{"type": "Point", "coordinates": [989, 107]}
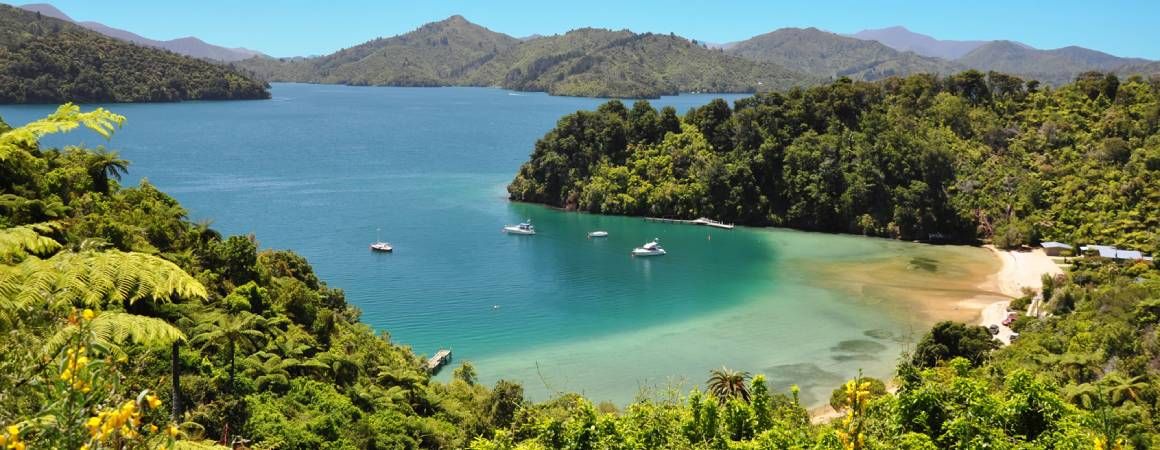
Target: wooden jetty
{"type": "Point", "coordinates": [704, 221]}
{"type": "Point", "coordinates": [442, 357]}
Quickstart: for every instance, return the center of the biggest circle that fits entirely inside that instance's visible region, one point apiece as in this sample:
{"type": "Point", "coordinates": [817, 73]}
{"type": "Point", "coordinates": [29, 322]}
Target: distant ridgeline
{"type": "Point", "coordinates": [585, 62]}
{"type": "Point", "coordinates": [47, 60]}
{"type": "Point", "coordinates": [605, 63]}
{"type": "Point", "coordinates": [962, 157]}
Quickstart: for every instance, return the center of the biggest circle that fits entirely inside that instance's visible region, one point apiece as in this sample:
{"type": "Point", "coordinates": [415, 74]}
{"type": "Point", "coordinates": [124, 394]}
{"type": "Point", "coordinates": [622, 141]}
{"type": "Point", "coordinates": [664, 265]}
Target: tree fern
{"type": "Point", "coordinates": [111, 330]}
{"type": "Point", "coordinates": [16, 243]}
{"type": "Point", "coordinates": [90, 279]}
{"type": "Point", "coordinates": [66, 118]}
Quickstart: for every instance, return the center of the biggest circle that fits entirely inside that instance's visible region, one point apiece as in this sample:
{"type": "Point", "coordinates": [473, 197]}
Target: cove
{"type": "Point", "coordinates": [318, 169]}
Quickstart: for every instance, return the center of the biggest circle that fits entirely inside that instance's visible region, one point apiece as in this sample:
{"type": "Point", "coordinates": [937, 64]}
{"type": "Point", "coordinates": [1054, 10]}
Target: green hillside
{"type": "Point", "coordinates": [829, 55]}
{"type": "Point", "coordinates": [46, 60]}
{"type": "Point", "coordinates": [966, 158]}
{"type": "Point", "coordinates": [1056, 67]}
{"type": "Point", "coordinates": [603, 63]}
{"type": "Point", "coordinates": [586, 62]}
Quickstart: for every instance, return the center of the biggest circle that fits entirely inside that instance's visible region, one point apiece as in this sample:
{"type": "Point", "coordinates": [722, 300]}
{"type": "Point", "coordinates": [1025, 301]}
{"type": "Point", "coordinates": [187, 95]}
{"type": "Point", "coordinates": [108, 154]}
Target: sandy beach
{"type": "Point", "coordinates": [1019, 270]}
{"type": "Point", "coordinates": [977, 292]}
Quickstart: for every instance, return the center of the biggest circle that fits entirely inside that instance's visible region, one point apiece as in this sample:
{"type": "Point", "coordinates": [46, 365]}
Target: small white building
{"type": "Point", "coordinates": [1111, 252]}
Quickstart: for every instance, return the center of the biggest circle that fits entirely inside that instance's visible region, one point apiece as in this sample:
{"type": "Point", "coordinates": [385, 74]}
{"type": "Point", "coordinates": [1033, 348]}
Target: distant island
{"type": "Point", "coordinates": [48, 60]}
{"type": "Point", "coordinates": [964, 158]}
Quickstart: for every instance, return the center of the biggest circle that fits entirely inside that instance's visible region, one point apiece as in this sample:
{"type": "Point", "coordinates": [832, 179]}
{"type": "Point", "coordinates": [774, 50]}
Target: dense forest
{"type": "Point", "coordinates": [47, 60]}
{"type": "Point", "coordinates": [126, 325]}
{"type": "Point", "coordinates": [965, 157]}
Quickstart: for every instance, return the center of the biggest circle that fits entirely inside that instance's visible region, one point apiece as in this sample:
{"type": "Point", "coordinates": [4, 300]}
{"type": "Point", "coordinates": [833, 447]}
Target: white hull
{"type": "Point", "coordinates": [644, 252]}
{"type": "Point", "coordinates": [382, 247]}
{"type": "Point", "coordinates": [517, 230]}
{"type": "Point", "coordinates": [598, 234]}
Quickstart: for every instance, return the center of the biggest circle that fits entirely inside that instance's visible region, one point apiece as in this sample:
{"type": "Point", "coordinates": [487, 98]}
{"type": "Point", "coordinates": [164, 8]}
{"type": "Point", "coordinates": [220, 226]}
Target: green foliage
{"type": "Point", "coordinates": [950, 340]}
{"type": "Point", "coordinates": [46, 60]}
{"type": "Point", "coordinates": [964, 158]}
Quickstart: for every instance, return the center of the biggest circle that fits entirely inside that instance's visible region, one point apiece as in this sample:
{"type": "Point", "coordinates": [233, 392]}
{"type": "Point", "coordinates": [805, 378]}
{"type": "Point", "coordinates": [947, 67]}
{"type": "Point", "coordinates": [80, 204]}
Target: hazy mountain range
{"type": "Point", "coordinates": [621, 63]}
{"type": "Point", "coordinates": [902, 39]}
{"type": "Point", "coordinates": [189, 46]}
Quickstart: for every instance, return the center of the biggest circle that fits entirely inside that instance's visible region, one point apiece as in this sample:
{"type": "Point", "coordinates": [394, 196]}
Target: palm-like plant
{"type": "Point", "coordinates": [725, 383]}
{"type": "Point", "coordinates": [242, 330]}
{"type": "Point", "coordinates": [1122, 388]}
{"type": "Point", "coordinates": [1086, 395]}
{"type": "Point", "coordinates": [103, 165]}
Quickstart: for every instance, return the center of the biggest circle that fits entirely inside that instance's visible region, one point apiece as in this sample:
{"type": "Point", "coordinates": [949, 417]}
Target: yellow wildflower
{"type": "Point", "coordinates": [152, 401]}
{"type": "Point", "coordinates": [152, 428]}
{"type": "Point", "coordinates": [13, 431]}
{"type": "Point", "coordinates": [17, 445]}
{"type": "Point", "coordinates": [88, 314]}
{"type": "Point", "coordinates": [66, 375]}
{"type": "Point", "coordinates": [171, 431]}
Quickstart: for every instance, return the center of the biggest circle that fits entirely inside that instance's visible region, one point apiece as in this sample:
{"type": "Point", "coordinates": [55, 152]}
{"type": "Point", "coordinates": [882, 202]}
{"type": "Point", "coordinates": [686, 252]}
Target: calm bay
{"type": "Point", "coordinates": [321, 169]}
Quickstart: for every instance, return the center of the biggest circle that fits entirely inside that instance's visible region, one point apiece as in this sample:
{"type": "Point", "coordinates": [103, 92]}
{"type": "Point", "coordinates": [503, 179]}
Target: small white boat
{"type": "Point", "coordinates": [522, 228]}
{"type": "Point", "coordinates": [649, 249]}
{"type": "Point", "coordinates": [598, 234]}
{"type": "Point", "coordinates": [379, 245]}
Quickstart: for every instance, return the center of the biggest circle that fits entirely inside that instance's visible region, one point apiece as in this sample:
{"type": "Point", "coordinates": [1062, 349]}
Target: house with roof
{"type": "Point", "coordinates": [1111, 252]}
{"type": "Point", "coordinates": [1052, 248]}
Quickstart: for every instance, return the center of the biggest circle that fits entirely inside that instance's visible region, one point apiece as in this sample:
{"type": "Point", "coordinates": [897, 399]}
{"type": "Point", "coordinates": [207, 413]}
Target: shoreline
{"type": "Point", "coordinates": [1019, 270]}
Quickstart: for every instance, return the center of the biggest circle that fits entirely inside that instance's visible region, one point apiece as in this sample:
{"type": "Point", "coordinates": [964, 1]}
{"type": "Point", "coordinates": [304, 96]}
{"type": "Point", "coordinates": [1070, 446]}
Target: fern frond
{"type": "Point", "coordinates": [111, 330]}
{"type": "Point", "coordinates": [94, 279]}
{"type": "Point", "coordinates": [66, 118]}
{"type": "Point", "coordinates": [16, 243]}
{"type": "Point", "coordinates": [118, 328]}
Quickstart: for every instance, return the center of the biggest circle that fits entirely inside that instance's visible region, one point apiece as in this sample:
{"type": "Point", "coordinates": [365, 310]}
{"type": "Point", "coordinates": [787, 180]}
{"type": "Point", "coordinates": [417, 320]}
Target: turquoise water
{"type": "Point", "coordinates": [319, 169]}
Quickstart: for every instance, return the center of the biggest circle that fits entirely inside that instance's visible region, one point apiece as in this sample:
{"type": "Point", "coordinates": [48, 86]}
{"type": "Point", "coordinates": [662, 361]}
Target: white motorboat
{"type": "Point", "coordinates": [595, 234]}
{"type": "Point", "coordinates": [522, 228]}
{"type": "Point", "coordinates": [650, 249]}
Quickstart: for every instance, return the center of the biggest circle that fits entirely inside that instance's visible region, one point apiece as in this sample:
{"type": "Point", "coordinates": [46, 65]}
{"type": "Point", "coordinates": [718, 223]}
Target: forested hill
{"type": "Point", "coordinates": [584, 62]}
{"type": "Point", "coordinates": [966, 157]}
{"type": "Point", "coordinates": [47, 60]}
{"type": "Point", "coordinates": [828, 55]}
{"type": "Point", "coordinates": [1056, 66]}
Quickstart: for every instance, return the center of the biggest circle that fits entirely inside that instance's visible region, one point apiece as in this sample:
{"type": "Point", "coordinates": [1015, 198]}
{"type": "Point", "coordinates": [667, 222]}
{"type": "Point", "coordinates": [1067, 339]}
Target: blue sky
{"type": "Point", "coordinates": [303, 27]}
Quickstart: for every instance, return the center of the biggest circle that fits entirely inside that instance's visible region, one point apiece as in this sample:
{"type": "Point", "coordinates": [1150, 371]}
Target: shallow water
{"type": "Point", "coordinates": [319, 169]}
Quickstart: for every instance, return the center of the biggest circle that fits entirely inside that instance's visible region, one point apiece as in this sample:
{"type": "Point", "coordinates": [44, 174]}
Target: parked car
{"type": "Point", "coordinates": [1014, 336]}
{"type": "Point", "coordinates": [1010, 318]}
{"type": "Point", "coordinates": [994, 329]}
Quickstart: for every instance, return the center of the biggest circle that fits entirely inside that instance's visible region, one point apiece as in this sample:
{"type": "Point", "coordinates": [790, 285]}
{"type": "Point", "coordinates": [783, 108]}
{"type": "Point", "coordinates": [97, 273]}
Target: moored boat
{"type": "Point", "coordinates": [378, 245]}
{"type": "Point", "coordinates": [597, 234]}
{"type": "Point", "coordinates": [649, 249]}
{"type": "Point", "coordinates": [522, 228]}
